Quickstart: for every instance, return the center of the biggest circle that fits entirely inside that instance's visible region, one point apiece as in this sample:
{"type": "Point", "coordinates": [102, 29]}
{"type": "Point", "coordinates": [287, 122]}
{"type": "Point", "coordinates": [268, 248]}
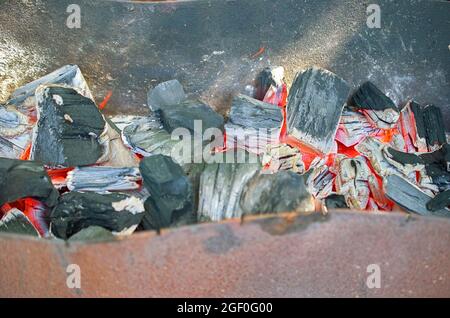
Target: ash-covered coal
{"type": "Point", "coordinates": [68, 130]}
{"type": "Point", "coordinates": [166, 94]}
{"type": "Point", "coordinates": [16, 222]}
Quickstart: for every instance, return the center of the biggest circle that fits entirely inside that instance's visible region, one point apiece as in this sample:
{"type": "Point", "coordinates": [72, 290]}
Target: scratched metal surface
{"type": "Point", "coordinates": [128, 46]}
{"type": "Point", "coordinates": [282, 256]}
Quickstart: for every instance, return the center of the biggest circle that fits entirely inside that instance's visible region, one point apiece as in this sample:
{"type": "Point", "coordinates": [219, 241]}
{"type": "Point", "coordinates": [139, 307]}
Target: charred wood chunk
{"type": "Point", "coordinates": [252, 124]}
{"type": "Point", "coordinates": [171, 195]}
{"type": "Point", "coordinates": [314, 107]}
{"type": "Point", "coordinates": [410, 197]}
{"type": "Point", "coordinates": [185, 115]}
{"type": "Point", "coordinates": [267, 78]}
{"type": "Point", "coordinates": [379, 109]}
{"type": "Point", "coordinates": [284, 191]}
{"type": "Point", "coordinates": [368, 96]}
{"type": "Point", "coordinates": [92, 234]}
{"type": "Point", "coordinates": [21, 179]}
{"type": "Point", "coordinates": [440, 201]}
{"type": "Point", "coordinates": [102, 179]}
{"type": "Point", "coordinates": [165, 94]}
{"type": "Point", "coordinates": [67, 132]}
{"type": "Point", "coordinates": [434, 127]}
{"type": "Point", "coordinates": [70, 75]}
{"type": "Point", "coordinates": [119, 213]}
{"type": "Point", "coordinates": [336, 201]}
{"type": "Point", "coordinates": [16, 222]}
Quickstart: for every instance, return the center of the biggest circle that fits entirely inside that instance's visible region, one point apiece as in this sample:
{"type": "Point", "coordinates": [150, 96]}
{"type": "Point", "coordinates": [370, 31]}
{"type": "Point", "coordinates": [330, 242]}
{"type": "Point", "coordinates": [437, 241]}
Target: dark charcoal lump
{"type": "Point", "coordinates": [336, 201]}
{"type": "Point", "coordinates": [284, 191]}
{"type": "Point", "coordinates": [165, 94]}
{"type": "Point", "coordinates": [263, 82]}
{"type": "Point", "coordinates": [440, 201]}
{"type": "Point", "coordinates": [21, 179]}
{"type": "Point", "coordinates": [68, 128]}
{"type": "Point", "coordinates": [315, 104]}
{"type": "Point", "coordinates": [368, 96]}
{"type": "Point", "coordinates": [171, 196]}
{"type": "Point", "coordinates": [434, 126]}
{"type": "Point", "coordinates": [76, 211]}
{"type": "Point", "coordinates": [437, 166]}
{"type": "Point", "coordinates": [184, 114]}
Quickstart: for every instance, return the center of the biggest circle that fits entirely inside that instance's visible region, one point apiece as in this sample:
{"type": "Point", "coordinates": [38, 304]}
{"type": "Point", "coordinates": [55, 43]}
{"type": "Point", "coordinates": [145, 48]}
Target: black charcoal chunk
{"type": "Point", "coordinates": [21, 179]}
{"type": "Point", "coordinates": [92, 234]}
{"type": "Point", "coordinates": [440, 201]}
{"type": "Point", "coordinates": [368, 96]}
{"type": "Point", "coordinates": [315, 104]}
{"type": "Point", "coordinates": [410, 197]}
{"type": "Point", "coordinates": [119, 213]}
{"type": "Point", "coordinates": [67, 132]}
{"type": "Point", "coordinates": [434, 127]}
{"type": "Point", "coordinates": [284, 191]}
{"type": "Point", "coordinates": [165, 94]}
{"type": "Point", "coordinates": [185, 114]}
{"type": "Point", "coordinates": [269, 76]}
{"type": "Point", "coordinates": [336, 201]}
{"type": "Point", "coordinates": [15, 222]}
{"type": "Point", "coordinates": [171, 199]}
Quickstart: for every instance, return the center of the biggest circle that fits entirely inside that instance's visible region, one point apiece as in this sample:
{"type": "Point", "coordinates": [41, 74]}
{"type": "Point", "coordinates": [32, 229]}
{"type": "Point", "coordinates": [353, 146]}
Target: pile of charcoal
{"type": "Point", "coordinates": [68, 171]}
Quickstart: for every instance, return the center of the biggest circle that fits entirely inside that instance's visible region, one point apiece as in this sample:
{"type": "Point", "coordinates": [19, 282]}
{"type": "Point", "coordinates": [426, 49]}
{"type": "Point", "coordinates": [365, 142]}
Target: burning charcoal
{"type": "Point", "coordinates": [221, 186]}
{"type": "Point", "coordinates": [22, 179]}
{"type": "Point", "coordinates": [320, 181]}
{"type": "Point", "coordinates": [165, 94]}
{"type": "Point", "coordinates": [410, 197]}
{"type": "Point", "coordinates": [17, 223]}
{"type": "Point", "coordinates": [68, 129]}
{"type": "Point", "coordinates": [335, 201]}
{"type": "Point", "coordinates": [422, 128]}
{"type": "Point", "coordinates": [439, 202]}
{"type": "Point", "coordinates": [314, 107]}
{"type": "Point", "coordinates": [284, 191]}
{"type": "Point", "coordinates": [103, 179]}
{"type": "Point", "coordinates": [116, 212]}
{"type": "Point", "coordinates": [379, 109]}
{"type": "Point", "coordinates": [270, 86]}
{"type": "Point", "coordinates": [92, 234]}
{"type": "Point", "coordinates": [70, 75]}
{"type": "Point", "coordinates": [283, 157]}
{"type": "Point", "coordinates": [353, 128]}
{"type": "Point", "coordinates": [352, 181]}
{"type": "Point", "coordinates": [252, 124]}
{"type": "Point", "coordinates": [171, 196]}
{"type": "Point", "coordinates": [185, 114]}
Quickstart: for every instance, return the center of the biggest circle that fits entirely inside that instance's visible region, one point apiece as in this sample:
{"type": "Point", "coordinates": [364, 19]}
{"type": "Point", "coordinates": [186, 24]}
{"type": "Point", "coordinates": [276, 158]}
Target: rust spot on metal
{"type": "Point", "coordinates": [291, 223]}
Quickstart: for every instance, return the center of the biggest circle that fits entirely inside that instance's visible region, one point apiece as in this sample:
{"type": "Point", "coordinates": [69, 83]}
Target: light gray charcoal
{"type": "Point", "coordinates": [353, 128]}
{"type": "Point", "coordinates": [15, 222]}
{"type": "Point", "coordinates": [165, 94]}
{"type": "Point", "coordinates": [252, 124]}
{"type": "Point", "coordinates": [119, 213]}
{"type": "Point", "coordinates": [185, 114]}
{"type": "Point", "coordinates": [410, 197]}
{"type": "Point", "coordinates": [102, 179]}
{"type": "Point", "coordinates": [283, 157]}
{"type": "Point", "coordinates": [320, 181]}
{"type": "Point", "coordinates": [221, 186]}
{"type": "Point", "coordinates": [21, 179]}
{"type": "Point", "coordinates": [284, 191]}
{"type": "Point", "coordinates": [24, 97]}
{"type": "Point", "coordinates": [15, 132]}
{"type": "Point", "coordinates": [314, 107]}
{"type": "Point", "coordinates": [171, 200]}
{"type": "Point", "coordinates": [92, 234]}
{"type": "Point", "coordinates": [68, 130]}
